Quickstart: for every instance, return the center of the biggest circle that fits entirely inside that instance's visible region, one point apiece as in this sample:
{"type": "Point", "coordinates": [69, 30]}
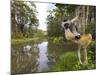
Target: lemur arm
{"type": "Point", "coordinates": [74, 19]}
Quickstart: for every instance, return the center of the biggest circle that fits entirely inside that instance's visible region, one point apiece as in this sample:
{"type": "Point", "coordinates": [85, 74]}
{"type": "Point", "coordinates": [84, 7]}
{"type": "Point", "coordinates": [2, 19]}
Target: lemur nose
{"type": "Point", "coordinates": [77, 37]}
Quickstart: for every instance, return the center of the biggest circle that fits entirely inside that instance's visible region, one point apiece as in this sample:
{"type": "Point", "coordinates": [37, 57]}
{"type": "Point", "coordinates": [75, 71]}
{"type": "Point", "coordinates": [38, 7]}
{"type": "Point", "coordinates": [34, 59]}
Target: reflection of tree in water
{"type": "Point", "coordinates": [24, 58]}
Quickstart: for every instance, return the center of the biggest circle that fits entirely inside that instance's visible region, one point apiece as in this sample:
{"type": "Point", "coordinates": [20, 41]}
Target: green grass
{"type": "Point", "coordinates": [23, 40]}
{"type": "Point", "coordinates": [69, 62]}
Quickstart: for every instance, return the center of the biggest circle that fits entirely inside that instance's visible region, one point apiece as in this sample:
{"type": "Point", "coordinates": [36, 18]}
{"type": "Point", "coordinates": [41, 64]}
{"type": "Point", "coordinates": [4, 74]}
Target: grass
{"type": "Point", "coordinates": [25, 40]}
{"type": "Point", "coordinates": [69, 62]}
{"type": "Point", "coordinates": [19, 41]}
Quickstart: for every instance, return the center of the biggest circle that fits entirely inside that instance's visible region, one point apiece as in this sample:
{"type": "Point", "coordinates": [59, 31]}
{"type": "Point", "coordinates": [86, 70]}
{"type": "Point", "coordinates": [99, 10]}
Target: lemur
{"type": "Point", "coordinates": [72, 34]}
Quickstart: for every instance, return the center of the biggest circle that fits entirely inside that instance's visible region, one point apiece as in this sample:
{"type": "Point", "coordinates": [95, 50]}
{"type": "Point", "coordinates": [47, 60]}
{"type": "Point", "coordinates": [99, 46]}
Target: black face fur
{"type": "Point", "coordinates": [71, 26]}
{"type": "Point", "coordinates": [66, 25]}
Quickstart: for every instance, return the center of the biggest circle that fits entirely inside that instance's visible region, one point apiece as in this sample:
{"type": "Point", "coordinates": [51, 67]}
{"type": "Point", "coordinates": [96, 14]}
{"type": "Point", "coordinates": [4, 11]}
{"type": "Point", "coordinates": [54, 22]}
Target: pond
{"type": "Point", "coordinates": [37, 57]}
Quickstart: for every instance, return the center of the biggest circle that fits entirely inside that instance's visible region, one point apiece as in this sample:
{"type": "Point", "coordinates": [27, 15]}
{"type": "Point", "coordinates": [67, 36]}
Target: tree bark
{"type": "Point", "coordinates": [87, 14]}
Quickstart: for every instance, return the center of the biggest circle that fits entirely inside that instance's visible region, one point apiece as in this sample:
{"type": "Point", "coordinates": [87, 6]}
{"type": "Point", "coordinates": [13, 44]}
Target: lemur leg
{"type": "Point", "coordinates": [79, 56]}
{"type": "Point", "coordinates": [85, 56]}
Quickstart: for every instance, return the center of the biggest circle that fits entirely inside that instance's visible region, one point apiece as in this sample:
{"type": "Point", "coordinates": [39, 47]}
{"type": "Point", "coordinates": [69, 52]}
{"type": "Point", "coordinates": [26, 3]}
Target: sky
{"type": "Point", "coordinates": [42, 14]}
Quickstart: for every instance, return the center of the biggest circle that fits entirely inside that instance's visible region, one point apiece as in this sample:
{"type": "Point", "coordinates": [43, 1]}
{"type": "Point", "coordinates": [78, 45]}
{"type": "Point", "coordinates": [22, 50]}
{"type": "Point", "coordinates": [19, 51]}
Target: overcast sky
{"type": "Point", "coordinates": [42, 14]}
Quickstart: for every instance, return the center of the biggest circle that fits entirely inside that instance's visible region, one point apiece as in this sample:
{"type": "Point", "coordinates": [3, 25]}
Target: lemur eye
{"type": "Point", "coordinates": [66, 24]}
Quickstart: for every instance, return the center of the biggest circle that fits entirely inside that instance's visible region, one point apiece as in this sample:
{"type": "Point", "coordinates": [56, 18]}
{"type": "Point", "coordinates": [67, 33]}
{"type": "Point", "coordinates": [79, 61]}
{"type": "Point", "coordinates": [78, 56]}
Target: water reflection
{"type": "Point", "coordinates": [38, 57]}
{"type": "Point", "coordinates": [43, 59]}
{"type": "Point", "coordinates": [30, 58]}
{"type": "Point", "coordinates": [27, 50]}
{"type": "Point", "coordinates": [24, 59]}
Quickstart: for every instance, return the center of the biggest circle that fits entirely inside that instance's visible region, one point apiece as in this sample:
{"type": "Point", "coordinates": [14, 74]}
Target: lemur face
{"type": "Point", "coordinates": [66, 24]}
{"type": "Point", "coordinates": [70, 27]}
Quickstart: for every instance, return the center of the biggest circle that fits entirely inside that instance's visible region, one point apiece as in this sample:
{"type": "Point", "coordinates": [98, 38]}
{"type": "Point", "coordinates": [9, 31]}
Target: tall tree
{"type": "Point", "coordinates": [23, 13]}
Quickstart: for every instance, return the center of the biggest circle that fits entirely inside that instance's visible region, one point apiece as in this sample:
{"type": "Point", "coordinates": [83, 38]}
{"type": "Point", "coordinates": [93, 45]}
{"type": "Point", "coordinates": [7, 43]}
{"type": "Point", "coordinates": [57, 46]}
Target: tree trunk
{"type": "Point", "coordinates": [83, 19]}
{"type": "Point", "coordinates": [87, 14]}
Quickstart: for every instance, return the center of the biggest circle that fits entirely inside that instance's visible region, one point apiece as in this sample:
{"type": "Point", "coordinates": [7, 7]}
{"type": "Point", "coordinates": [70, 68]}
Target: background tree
{"type": "Point", "coordinates": [23, 17]}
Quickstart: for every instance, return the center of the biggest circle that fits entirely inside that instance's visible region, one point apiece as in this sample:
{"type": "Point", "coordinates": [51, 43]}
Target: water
{"type": "Point", "coordinates": [43, 59]}
{"type": "Point", "coordinates": [37, 57]}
